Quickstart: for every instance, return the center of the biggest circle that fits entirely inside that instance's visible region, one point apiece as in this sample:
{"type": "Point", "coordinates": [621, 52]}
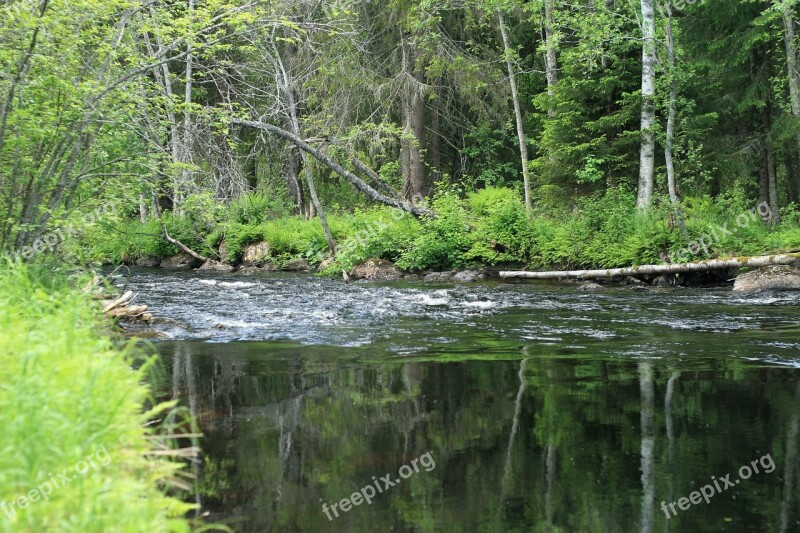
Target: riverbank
{"type": "Point", "coordinates": [76, 452]}
{"type": "Point", "coordinates": [486, 230]}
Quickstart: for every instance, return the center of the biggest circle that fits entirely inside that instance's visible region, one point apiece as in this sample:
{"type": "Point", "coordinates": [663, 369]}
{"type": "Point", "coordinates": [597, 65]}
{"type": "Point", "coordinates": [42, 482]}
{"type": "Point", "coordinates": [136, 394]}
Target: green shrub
{"type": "Point", "coordinates": [256, 208]}
{"type": "Point", "coordinates": [445, 239]}
{"type": "Point", "coordinates": [69, 396]}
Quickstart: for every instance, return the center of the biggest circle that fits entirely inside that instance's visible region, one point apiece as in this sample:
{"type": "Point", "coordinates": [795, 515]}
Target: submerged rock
{"type": "Point", "coordinates": [256, 254]}
{"type": "Point", "coordinates": [591, 286]}
{"type": "Point", "coordinates": [664, 281]}
{"type": "Point", "coordinates": [376, 270]}
{"type": "Point", "coordinates": [180, 262]}
{"type": "Point", "coordinates": [249, 271]}
{"type": "Point", "coordinates": [439, 276]}
{"type": "Point", "coordinates": [771, 278]}
{"type": "Point", "coordinates": [147, 262]}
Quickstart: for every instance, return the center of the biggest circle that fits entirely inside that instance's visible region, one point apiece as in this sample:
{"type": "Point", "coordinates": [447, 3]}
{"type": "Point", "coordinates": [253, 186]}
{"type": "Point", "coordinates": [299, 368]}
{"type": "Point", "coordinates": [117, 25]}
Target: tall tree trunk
{"type": "Point", "coordinates": [791, 66]}
{"type": "Point", "coordinates": [512, 78]}
{"type": "Point", "coordinates": [142, 208]}
{"type": "Point", "coordinates": [415, 176]}
{"type": "Point", "coordinates": [647, 153]}
{"type": "Point", "coordinates": [768, 180]}
{"type": "Point", "coordinates": [550, 56]}
{"type": "Point", "coordinates": [292, 178]}
{"type": "Point", "coordinates": [793, 178]}
{"type": "Point", "coordinates": [188, 132]}
{"type": "Point", "coordinates": [671, 118]}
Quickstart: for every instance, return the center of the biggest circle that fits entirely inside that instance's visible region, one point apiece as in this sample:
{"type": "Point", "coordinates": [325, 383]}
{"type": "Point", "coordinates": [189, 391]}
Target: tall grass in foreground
{"type": "Point", "coordinates": [67, 395]}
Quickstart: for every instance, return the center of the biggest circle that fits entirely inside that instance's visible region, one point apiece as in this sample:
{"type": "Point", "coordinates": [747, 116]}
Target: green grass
{"type": "Point", "coordinates": [67, 396]}
{"type": "Point", "coordinates": [488, 227]}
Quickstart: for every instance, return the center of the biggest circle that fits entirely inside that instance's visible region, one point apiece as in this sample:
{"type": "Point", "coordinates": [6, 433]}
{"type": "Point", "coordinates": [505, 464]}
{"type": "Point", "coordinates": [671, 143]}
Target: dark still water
{"type": "Point", "coordinates": [498, 407]}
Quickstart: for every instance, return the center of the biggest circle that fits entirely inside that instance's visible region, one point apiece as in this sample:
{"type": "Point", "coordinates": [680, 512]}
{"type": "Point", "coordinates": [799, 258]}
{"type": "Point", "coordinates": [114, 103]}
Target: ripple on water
{"type": "Point", "coordinates": [409, 318]}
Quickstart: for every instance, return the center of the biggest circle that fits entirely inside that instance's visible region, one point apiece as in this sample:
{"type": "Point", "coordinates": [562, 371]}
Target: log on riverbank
{"type": "Point", "coordinates": [645, 270]}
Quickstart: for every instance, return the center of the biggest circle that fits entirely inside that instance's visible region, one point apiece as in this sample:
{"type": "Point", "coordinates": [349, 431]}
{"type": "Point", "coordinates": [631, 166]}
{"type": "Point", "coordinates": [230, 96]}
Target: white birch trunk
{"type": "Point", "coordinates": [647, 154]}
{"type": "Point", "coordinates": [512, 78]}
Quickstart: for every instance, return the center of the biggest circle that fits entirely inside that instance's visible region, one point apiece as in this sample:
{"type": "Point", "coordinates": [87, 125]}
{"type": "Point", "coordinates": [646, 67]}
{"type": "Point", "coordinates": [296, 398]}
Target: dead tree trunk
{"type": "Point", "coordinates": [357, 182]}
{"type": "Point", "coordinates": [696, 266]}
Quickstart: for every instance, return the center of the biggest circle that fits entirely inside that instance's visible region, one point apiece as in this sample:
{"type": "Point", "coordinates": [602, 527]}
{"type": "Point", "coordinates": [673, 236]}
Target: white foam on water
{"type": "Point", "coordinates": [235, 285]}
{"type": "Point", "coordinates": [481, 305]}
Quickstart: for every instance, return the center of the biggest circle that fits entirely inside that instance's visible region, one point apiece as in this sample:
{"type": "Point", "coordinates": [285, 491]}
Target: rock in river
{"type": "Point", "coordinates": [216, 266]}
{"type": "Point", "coordinates": [469, 276]}
{"type": "Point", "coordinates": [180, 262]}
{"type": "Point", "coordinates": [771, 278]}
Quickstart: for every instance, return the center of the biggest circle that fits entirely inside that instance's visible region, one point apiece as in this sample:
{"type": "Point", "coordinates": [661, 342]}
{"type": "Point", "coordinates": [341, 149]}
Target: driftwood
{"type": "Point", "coordinates": [182, 247]}
{"type": "Point", "coordinates": [677, 268]}
{"type": "Point", "coordinates": [122, 300]}
{"type": "Point", "coordinates": [357, 182]}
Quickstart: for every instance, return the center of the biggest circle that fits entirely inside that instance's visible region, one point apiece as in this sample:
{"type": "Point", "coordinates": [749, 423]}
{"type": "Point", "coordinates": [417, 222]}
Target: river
{"type": "Point", "coordinates": [515, 407]}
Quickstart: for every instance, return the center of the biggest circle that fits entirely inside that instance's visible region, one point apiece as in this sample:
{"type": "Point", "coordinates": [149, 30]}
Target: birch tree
{"type": "Point", "coordinates": [647, 153]}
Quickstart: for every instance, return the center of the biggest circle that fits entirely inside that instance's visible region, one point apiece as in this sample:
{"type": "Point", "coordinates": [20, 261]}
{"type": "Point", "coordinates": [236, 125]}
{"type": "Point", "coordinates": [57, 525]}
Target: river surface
{"type": "Point", "coordinates": [490, 407]}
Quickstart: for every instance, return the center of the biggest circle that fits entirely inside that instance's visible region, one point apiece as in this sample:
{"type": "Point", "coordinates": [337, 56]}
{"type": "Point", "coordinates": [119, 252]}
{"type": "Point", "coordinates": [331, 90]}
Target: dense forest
{"type": "Point", "coordinates": [489, 139]}
{"type": "Point", "coordinates": [623, 129]}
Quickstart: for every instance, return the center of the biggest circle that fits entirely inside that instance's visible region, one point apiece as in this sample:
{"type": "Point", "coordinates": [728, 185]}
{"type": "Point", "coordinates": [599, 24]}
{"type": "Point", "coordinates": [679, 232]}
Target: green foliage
{"type": "Point", "coordinates": [446, 239]}
{"type": "Point", "coordinates": [257, 208]}
{"type": "Point", "coordinates": [381, 233]}
{"type": "Point", "coordinates": [487, 227]}
{"type": "Point", "coordinates": [67, 395]}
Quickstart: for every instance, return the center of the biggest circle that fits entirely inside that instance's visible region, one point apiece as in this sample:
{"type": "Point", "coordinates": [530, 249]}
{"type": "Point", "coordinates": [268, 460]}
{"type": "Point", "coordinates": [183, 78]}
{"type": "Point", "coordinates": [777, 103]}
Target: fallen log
{"type": "Point", "coordinates": [122, 300]}
{"type": "Point", "coordinates": [677, 268]}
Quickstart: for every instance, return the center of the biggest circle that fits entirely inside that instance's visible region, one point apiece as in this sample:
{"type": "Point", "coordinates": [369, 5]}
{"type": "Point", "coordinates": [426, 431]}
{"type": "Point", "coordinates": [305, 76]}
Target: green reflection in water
{"type": "Point", "coordinates": [525, 436]}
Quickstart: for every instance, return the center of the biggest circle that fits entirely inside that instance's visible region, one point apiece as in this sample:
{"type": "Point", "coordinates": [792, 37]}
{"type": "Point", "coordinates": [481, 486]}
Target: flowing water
{"type": "Point", "coordinates": [516, 407]}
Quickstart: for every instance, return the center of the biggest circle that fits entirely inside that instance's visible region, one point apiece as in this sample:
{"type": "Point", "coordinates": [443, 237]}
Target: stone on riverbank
{"type": "Point", "coordinates": [147, 262]}
{"type": "Point", "coordinates": [439, 276]}
{"type": "Point", "coordinates": [180, 262]}
{"type": "Point", "coordinates": [297, 265]}
{"type": "Point", "coordinates": [216, 266]}
{"type": "Point", "coordinates": [376, 270]}
{"type": "Point", "coordinates": [256, 254]}
{"type": "Point", "coordinates": [469, 276]}
{"type": "Point", "coordinates": [771, 278]}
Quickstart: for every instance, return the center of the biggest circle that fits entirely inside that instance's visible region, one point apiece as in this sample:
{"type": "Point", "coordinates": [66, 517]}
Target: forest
{"type": "Point", "coordinates": [263, 151]}
{"type": "Point", "coordinates": [596, 134]}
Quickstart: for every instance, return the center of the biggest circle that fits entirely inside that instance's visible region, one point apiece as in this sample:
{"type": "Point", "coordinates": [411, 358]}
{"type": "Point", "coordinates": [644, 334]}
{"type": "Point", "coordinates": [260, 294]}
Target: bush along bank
{"type": "Point", "coordinates": [484, 229]}
{"type": "Point", "coordinates": [76, 454]}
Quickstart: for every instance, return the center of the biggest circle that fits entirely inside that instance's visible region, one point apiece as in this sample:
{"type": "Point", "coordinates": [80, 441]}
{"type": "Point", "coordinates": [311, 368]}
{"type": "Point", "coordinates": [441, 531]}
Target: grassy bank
{"type": "Point", "coordinates": [74, 448]}
{"type": "Point", "coordinates": [484, 228]}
